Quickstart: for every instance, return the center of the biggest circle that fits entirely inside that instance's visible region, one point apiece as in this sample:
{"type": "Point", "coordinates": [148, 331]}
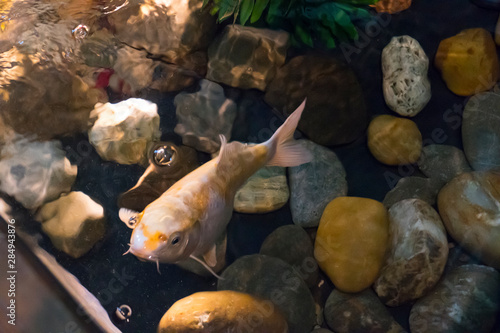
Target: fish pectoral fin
{"type": "Point", "coordinates": [211, 257]}
{"type": "Point", "coordinates": [129, 217]}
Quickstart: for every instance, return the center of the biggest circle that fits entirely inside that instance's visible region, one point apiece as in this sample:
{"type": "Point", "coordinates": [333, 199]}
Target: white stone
{"type": "Point", "coordinates": [203, 116]}
{"type": "Point", "coordinates": [407, 89]}
{"type": "Point", "coordinates": [74, 223]}
{"type": "Point", "coordinates": [123, 131]}
{"type": "Point", "coordinates": [35, 172]}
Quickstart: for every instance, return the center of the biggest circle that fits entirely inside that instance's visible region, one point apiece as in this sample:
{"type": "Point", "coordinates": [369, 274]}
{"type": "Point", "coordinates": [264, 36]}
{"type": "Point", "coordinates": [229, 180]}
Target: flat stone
{"type": "Point", "coordinates": [466, 300]}
{"type": "Point", "coordinates": [442, 163]}
{"type": "Point", "coordinates": [407, 89]}
{"type": "Point", "coordinates": [273, 279]}
{"type": "Point", "coordinates": [469, 206]}
{"type": "Point", "coordinates": [417, 253]}
{"type": "Point", "coordinates": [360, 312]}
{"type": "Point", "coordinates": [123, 131]}
{"type": "Point", "coordinates": [264, 192]}
{"type": "Point", "coordinates": [246, 57]}
{"type": "Point", "coordinates": [74, 223]}
{"type": "Point", "coordinates": [335, 111]}
{"type": "Point", "coordinates": [35, 172]}
{"type": "Point", "coordinates": [203, 116]}
{"type": "Point", "coordinates": [294, 246]}
{"type": "Point", "coordinates": [313, 185]}
{"type": "Point", "coordinates": [481, 131]}
{"type": "Point", "coordinates": [421, 188]}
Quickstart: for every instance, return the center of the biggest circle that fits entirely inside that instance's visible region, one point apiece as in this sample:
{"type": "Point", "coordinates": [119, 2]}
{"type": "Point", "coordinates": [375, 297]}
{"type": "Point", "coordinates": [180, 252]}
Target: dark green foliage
{"type": "Point", "coordinates": [310, 20]}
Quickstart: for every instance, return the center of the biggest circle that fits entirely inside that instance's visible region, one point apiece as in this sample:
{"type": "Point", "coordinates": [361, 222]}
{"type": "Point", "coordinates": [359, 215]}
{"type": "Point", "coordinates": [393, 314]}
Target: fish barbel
{"type": "Point", "coordinates": [185, 221]}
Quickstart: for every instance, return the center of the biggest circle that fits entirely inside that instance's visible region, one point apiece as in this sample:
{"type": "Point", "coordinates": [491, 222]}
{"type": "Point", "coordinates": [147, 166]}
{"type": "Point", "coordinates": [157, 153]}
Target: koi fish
{"type": "Point", "coordinates": [185, 221]}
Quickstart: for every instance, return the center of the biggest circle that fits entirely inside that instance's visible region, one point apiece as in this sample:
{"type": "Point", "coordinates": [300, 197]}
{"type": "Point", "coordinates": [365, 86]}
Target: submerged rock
{"type": "Point", "coordinates": [468, 62]}
{"type": "Point", "coordinates": [466, 300]}
{"type": "Point", "coordinates": [481, 131]}
{"type": "Point", "coordinates": [417, 255]}
{"type": "Point", "coordinates": [425, 189]}
{"type": "Point", "coordinates": [335, 111]}
{"type": "Point", "coordinates": [273, 279]}
{"type": "Point", "coordinates": [123, 131]}
{"type": "Point", "coordinates": [392, 6]}
{"type": "Point", "coordinates": [442, 163]}
{"type": "Point", "coordinates": [313, 185]}
{"type": "Point", "coordinates": [203, 116]}
{"type": "Point", "coordinates": [35, 172]}
{"type": "Point", "coordinates": [469, 206]}
{"type": "Point", "coordinates": [222, 311]}
{"type": "Point", "coordinates": [407, 89]}
{"type": "Point", "coordinates": [246, 57]}
{"type": "Point", "coordinates": [361, 312]}
{"type": "Point", "coordinates": [265, 191]}
{"type": "Point", "coordinates": [100, 49]}
{"type": "Point", "coordinates": [74, 223]}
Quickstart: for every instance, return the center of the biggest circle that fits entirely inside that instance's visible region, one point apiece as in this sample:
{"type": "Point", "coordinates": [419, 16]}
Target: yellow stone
{"type": "Point", "coordinates": [351, 242]}
{"type": "Point", "coordinates": [468, 62]}
{"type": "Point", "coordinates": [394, 141]}
{"type": "Point", "coordinates": [222, 311]}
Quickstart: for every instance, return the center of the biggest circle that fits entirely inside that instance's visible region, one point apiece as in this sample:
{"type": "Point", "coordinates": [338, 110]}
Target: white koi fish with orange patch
{"type": "Point", "coordinates": [186, 220]}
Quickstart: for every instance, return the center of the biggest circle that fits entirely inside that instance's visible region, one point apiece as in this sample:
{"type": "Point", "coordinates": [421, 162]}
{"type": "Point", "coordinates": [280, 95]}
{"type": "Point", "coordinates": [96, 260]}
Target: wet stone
{"type": "Point", "coordinates": [418, 249]}
{"type": "Point", "coordinates": [360, 312]}
{"type": "Point", "coordinates": [273, 279]}
{"type": "Point", "coordinates": [293, 245]}
{"type": "Point", "coordinates": [313, 185]}
{"type": "Point", "coordinates": [265, 191]}
{"type": "Point", "coordinates": [421, 188]}
{"type": "Point", "coordinates": [203, 116]}
{"type": "Point", "coordinates": [100, 49]}
{"type": "Point", "coordinates": [442, 163]}
{"type": "Point", "coordinates": [466, 300]}
{"type": "Point", "coordinates": [246, 57]}
{"type": "Point", "coordinates": [481, 131]}
{"type": "Point", "coordinates": [335, 111]}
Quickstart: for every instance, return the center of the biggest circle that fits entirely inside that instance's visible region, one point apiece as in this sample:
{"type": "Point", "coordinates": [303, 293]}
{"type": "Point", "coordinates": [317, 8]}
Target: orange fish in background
{"type": "Point", "coordinates": [391, 6]}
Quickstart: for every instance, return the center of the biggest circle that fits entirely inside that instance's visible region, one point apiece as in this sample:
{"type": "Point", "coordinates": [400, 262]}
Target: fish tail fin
{"type": "Point", "coordinates": [283, 149]}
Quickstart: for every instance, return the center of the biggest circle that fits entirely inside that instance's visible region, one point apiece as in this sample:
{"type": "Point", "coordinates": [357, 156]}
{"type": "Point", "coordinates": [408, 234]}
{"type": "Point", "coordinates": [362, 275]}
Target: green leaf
{"type": "Point", "coordinates": [227, 8]}
{"type": "Point", "coordinates": [274, 11]}
{"type": "Point", "coordinates": [343, 20]}
{"type": "Point", "coordinates": [304, 35]}
{"type": "Point", "coordinates": [246, 10]}
{"type": "Point", "coordinates": [205, 3]}
{"type": "Point", "coordinates": [358, 2]}
{"type": "Point", "coordinates": [326, 36]}
{"type": "Point", "coordinates": [258, 9]}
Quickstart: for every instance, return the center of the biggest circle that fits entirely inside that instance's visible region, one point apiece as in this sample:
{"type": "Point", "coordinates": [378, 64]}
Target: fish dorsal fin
{"type": "Point", "coordinates": [129, 217]}
{"type": "Point", "coordinates": [227, 150]}
{"type": "Point", "coordinates": [211, 256]}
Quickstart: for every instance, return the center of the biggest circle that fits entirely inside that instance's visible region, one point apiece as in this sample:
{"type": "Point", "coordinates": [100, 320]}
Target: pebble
{"type": "Point", "coordinates": [264, 192]}
{"type": "Point", "coordinates": [442, 163]}
{"type": "Point", "coordinates": [468, 62]}
{"type": "Point", "coordinates": [272, 278]}
{"type": "Point", "coordinates": [343, 250]}
{"type": "Point", "coordinates": [407, 89]}
{"type": "Point", "coordinates": [74, 223]}
{"type": "Point", "coordinates": [425, 189]}
{"type": "Point", "coordinates": [481, 131]}
{"type": "Point", "coordinates": [469, 206]}
{"type": "Point", "coordinates": [394, 141]}
{"type": "Point", "coordinates": [313, 185]}
{"type": "Point", "coordinates": [392, 6]}
{"type": "Point", "coordinates": [418, 249]}
{"type": "Point", "coordinates": [466, 300]}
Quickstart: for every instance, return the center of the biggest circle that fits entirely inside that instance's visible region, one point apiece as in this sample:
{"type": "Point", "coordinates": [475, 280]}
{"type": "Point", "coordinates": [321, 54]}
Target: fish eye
{"type": "Point", "coordinates": [175, 240]}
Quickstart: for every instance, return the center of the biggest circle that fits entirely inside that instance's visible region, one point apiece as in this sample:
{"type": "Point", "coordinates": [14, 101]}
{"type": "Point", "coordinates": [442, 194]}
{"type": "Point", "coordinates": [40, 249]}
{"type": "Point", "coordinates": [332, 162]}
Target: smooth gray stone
{"type": "Point", "coordinates": [466, 300]}
{"type": "Point", "coordinates": [313, 185]}
{"type": "Point", "coordinates": [481, 131]}
{"type": "Point", "coordinates": [273, 279]}
{"type": "Point", "coordinates": [442, 162]}
{"type": "Point", "coordinates": [292, 244]}
{"type": "Point", "coordinates": [421, 188]}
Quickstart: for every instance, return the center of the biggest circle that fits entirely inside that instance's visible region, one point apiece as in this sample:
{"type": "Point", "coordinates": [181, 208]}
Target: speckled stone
{"type": "Point", "coordinates": [417, 253]}
{"type": "Point", "coordinates": [421, 188]}
{"type": "Point", "coordinates": [466, 300]}
{"type": "Point", "coordinates": [273, 279]}
{"type": "Point", "coordinates": [481, 131]}
{"type": "Point", "coordinates": [293, 245]}
{"type": "Point", "coordinates": [313, 185]}
{"type": "Point", "coordinates": [265, 191]}
{"type": "Point", "coordinates": [246, 57]}
{"type": "Point", "coordinates": [361, 312]}
{"type": "Point", "coordinates": [335, 111]}
{"type": "Point", "coordinates": [470, 208]}
{"type": "Point", "coordinates": [442, 163]}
